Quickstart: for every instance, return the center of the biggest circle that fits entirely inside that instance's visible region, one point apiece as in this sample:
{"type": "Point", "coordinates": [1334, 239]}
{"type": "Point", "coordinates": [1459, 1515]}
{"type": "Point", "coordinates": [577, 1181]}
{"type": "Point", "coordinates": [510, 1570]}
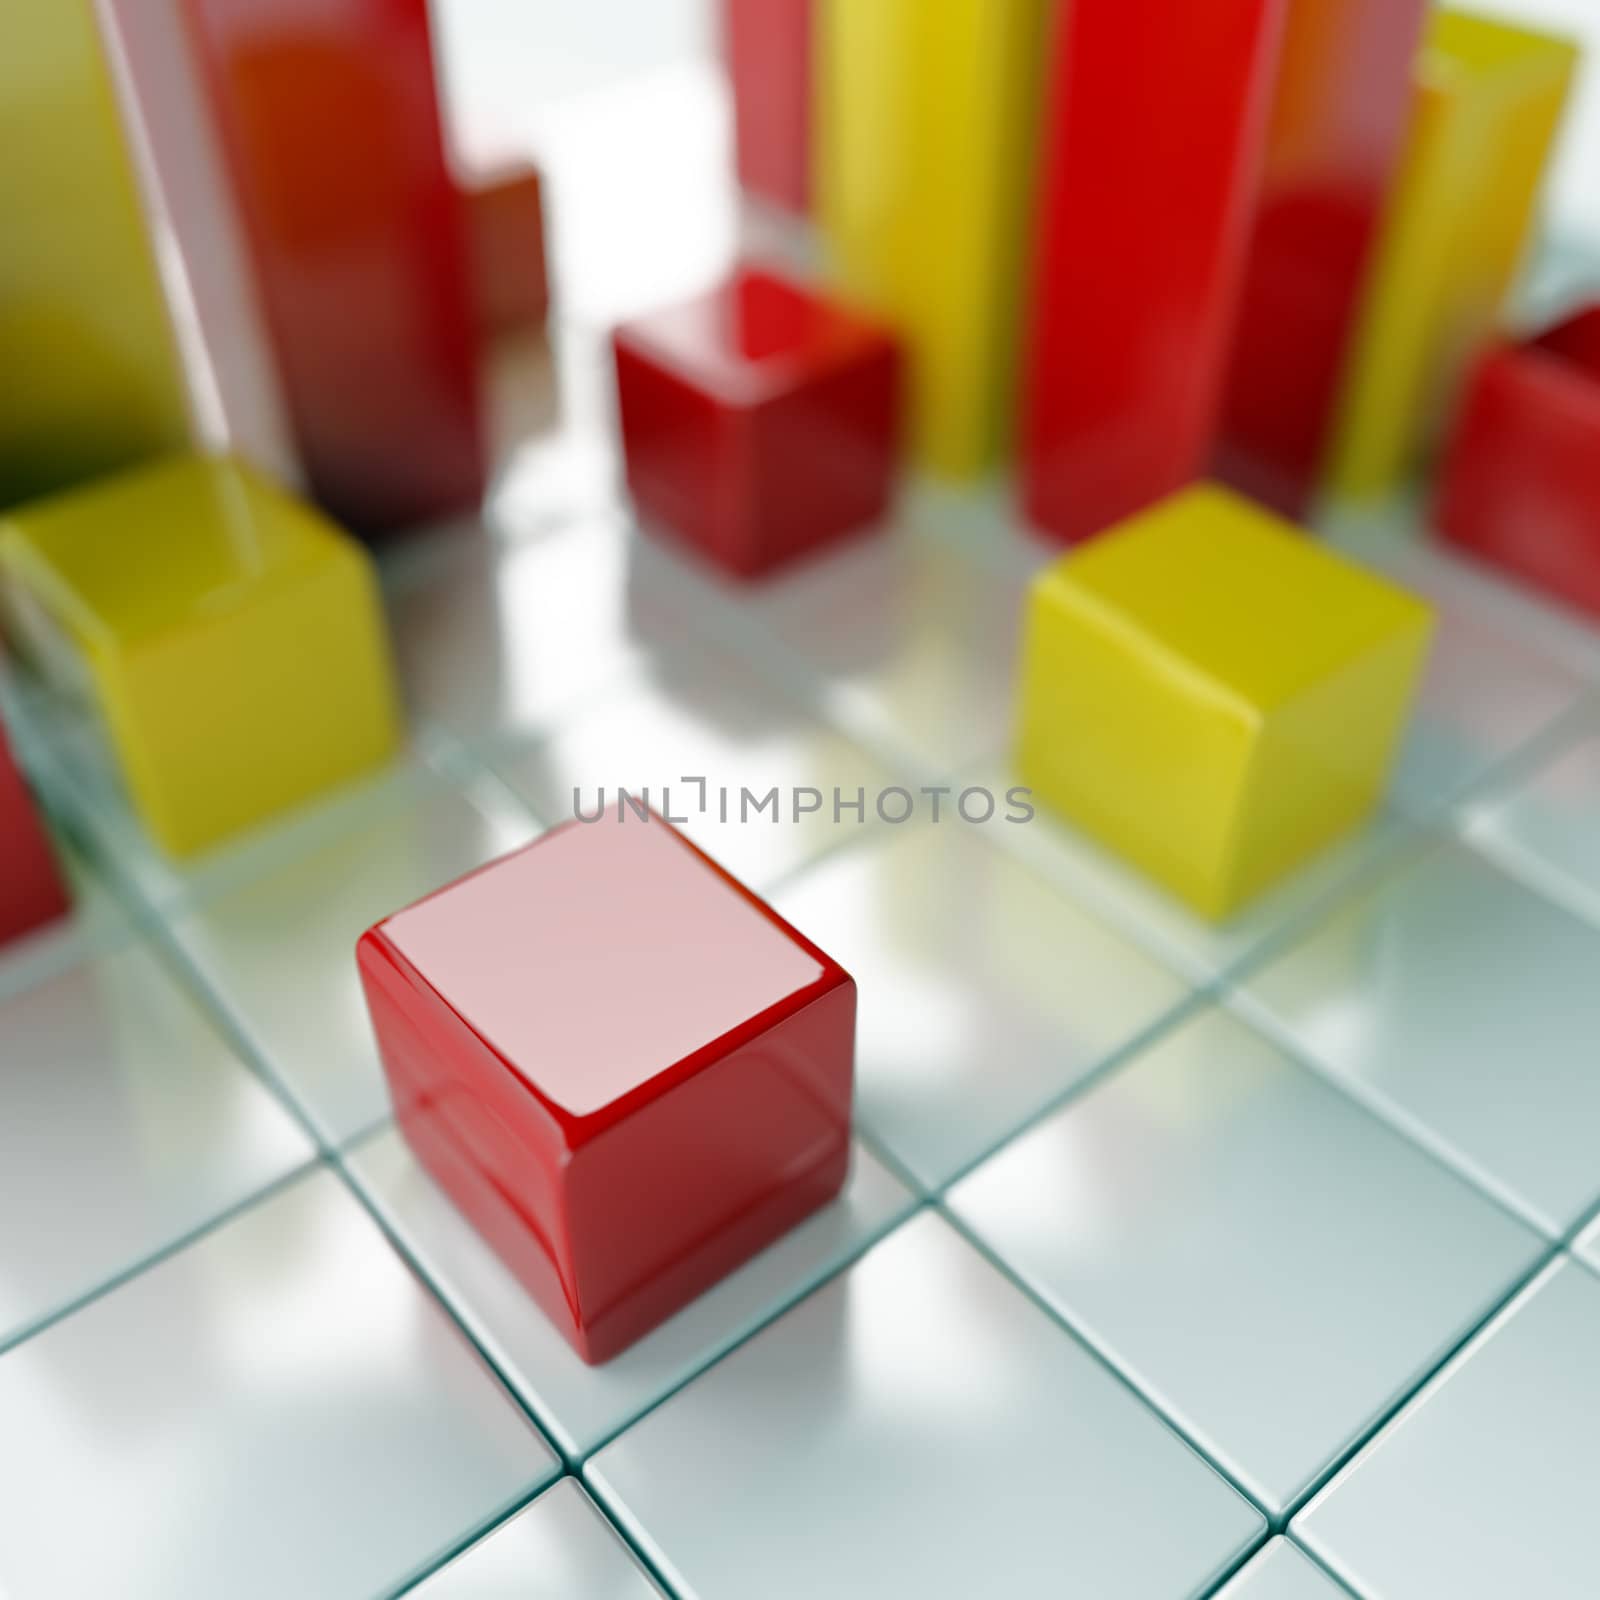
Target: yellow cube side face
{"type": "Point", "coordinates": [226, 724]}
{"type": "Point", "coordinates": [1489, 100]}
{"type": "Point", "coordinates": [1322, 761]}
{"type": "Point", "coordinates": [93, 377]}
{"type": "Point", "coordinates": [1212, 695]}
{"type": "Point", "coordinates": [1118, 739]}
{"type": "Point", "coordinates": [925, 149]}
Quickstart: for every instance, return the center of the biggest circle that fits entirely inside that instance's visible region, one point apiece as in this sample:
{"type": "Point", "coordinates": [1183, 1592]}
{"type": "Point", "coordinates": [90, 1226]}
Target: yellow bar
{"type": "Point", "coordinates": [1489, 99]}
{"type": "Point", "coordinates": [92, 379]}
{"type": "Point", "coordinates": [925, 142]}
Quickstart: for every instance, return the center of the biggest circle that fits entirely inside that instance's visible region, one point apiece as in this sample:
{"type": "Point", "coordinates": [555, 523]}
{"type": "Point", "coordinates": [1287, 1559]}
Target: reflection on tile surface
{"type": "Point", "coordinates": [1485, 1485]}
{"type": "Point", "coordinates": [1465, 1007]}
{"type": "Point", "coordinates": [1223, 1223]}
{"type": "Point", "coordinates": [582, 1405]}
{"type": "Point", "coordinates": [125, 1123]}
{"type": "Point", "coordinates": [983, 993]}
{"type": "Point", "coordinates": [278, 1409]}
{"type": "Point", "coordinates": [1281, 1572]}
{"type": "Point", "coordinates": [280, 949]}
{"type": "Point", "coordinates": [942, 1436]}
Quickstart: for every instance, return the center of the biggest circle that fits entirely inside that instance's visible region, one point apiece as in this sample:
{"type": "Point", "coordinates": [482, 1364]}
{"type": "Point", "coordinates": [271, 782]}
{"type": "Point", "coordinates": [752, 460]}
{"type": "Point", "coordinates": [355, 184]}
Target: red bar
{"type": "Point", "coordinates": [768, 48]}
{"type": "Point", "coordinates": [1155, 129]}
{"type": "Point", "coordinates": [1339, 118]}
{"type": "Point", "coordinates": [31, 893]}
{"type": "Point", "coordinates": [330, 123]}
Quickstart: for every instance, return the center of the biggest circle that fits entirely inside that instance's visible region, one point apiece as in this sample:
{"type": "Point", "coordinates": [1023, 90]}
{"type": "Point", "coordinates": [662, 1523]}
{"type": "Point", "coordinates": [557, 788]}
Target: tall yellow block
{"type": "Point", "coordinates": [92, 379]}
{"type": "Point", "coordinates": [1213, 695]}
{"type": "Point", "coordinates": [925, 142]}
{"type": "Point", "coordinates": [1488, 102]}
{"type": "Point", "coordinates": [229, 637]}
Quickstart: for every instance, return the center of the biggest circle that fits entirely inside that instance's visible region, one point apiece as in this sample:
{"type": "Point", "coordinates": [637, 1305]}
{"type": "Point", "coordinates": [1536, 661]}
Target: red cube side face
{"type": "Point", "coordinates": [1520, 485]}
{"type": "Point", "coordinates": [505, 223]}
{"type": "Point", "coordinates": [31, 892]}
{"type": "Point", "coordinates": [760, 422]}
{"type": "Point", "coordinates": [627, 1072]}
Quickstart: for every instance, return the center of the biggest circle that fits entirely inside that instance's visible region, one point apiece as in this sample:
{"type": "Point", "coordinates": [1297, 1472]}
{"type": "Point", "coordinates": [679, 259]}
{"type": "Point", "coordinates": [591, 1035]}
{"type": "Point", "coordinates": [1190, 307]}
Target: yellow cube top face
{"type": "Point", "coordinates": [185, 540]}
{"type": "Point", "coordinates": [1465, 49]}
{"type": "Point", "coordinates": [1236, 594]}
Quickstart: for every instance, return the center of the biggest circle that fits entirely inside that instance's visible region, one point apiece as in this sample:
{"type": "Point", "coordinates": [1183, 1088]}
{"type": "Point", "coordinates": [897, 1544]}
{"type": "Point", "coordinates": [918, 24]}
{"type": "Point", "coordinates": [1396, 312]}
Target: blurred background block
{"type": "Point", "coordinates": [1146, 199]}
{"type": "Point", "coordinates": [768, 45]}
{"type": "Point", "coordinates": [925, 143]}
{"type": "Point", "coordinates": [92, 379]}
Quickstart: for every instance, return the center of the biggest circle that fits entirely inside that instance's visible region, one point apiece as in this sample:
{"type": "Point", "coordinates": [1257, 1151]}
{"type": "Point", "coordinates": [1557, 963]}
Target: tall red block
{"type": "Point", "coordinates": [1156, 118]}
{"type": "Point", "coordinates": [505, 216]}
{"type": "Point", "coordinates": [1340, 111]}
{"type": "Point", "coordinates": [628, 1073]}
{"type": "Point", "coordinates": [31, 892]}
{"type": "Point", "coordinates": [1520, 485]}
{"type": "Point", "coordinates": [760, 421]}
{"type": "Point", "coordinates": [767, 44]}
{"type": "Point", "coordinates": [329, 120]}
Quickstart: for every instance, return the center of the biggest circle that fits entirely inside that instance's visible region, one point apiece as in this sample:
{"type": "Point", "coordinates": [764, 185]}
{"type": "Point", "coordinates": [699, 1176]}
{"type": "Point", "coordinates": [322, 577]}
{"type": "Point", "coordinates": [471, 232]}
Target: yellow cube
{"type": "Point", "coordinates": [1212, 694]}
{"type": "Point", "coordinates": [229, 637]}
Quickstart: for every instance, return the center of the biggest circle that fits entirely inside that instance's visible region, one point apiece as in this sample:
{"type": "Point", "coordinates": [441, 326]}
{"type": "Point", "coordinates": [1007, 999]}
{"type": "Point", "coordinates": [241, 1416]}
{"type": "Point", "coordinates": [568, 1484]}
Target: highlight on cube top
{"type": "Point", "coordinates": [799, 798]}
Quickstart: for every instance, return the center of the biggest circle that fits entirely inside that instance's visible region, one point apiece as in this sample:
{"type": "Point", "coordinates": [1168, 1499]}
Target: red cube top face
{"type": "Point", "coordinates": [753, 337]}
{"type": "Point", "coordinates": [606, 963]}
{"type": "Point", "coordinates": [1577, 343]}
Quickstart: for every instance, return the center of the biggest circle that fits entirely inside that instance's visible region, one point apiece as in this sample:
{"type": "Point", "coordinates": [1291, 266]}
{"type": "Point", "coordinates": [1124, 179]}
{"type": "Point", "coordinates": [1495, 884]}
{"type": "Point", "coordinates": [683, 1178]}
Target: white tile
{"type": "Point", "coordinates": [705, 716]}
{"type": "Point", "coordinates": [494, 640]}
{"type": "Point", "coordinates": [1464, 1007]}
{"type": "Point", "coordinates": [982, 992]}
{"type": "Point", "coordinates": [917, 1427]}
{"type": "Point", "coordinates": [1268, 1261]}
{"type": "Point", "coordinates": [1485, 1486]}
{"type": "Point", "coordinates": [280, 1408]}
{"type": "Point", "coordinates": [560, 1548]}
{"type": "Point", "coordinates": [1588, 1245]}
{"type": "Point", "coordinates": [917, 643]}
{"type": "Point", "coordinates": [1139, 906]}
{"type": "Point", "coordinates": [1281, 1572]}
{"type": "Point", "coordinates": [1546, 828]}
{"type": "Point", "coordinates": [125, 1123]}
{"type": "Point", "coordinates": [279, 949]}
{"type": "Point", "coordinates": [582, 1405]}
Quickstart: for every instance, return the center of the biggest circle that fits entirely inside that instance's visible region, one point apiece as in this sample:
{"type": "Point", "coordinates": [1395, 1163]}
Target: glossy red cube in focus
{"type": "Point", "coordinates": [1520, 485]}
{"type": "Point", "coordinates": [31, 892]}
{"type": "Point", "coordinates": [505, 226]}
{"type": "Point", "coordinates": [625, 1070]}
{"type": "Point", "coordinates": [760, 421]}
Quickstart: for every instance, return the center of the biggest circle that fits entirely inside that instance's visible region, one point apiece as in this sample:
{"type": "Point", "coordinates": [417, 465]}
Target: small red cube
{"type": "Point", "coordinates": [760, 421]}
{"type": "Point", "coordinates": [31, 892]}
{"type": "Point", "coordinates": [1521, 480]}
{"type": "Point", "coordinates": [505, 230]}
{"type": "Point", "coordinates": [628, 1072]}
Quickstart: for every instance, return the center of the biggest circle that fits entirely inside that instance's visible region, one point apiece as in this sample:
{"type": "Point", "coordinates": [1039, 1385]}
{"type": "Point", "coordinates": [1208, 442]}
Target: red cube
{"type": "Point", "coordinates": [31, 893]}
{"type": "Point", "coordinates": [1521, 480]}
{"type": "Point", "coordinates": [760, 421]}
{"type": "Point", "coordinates": [628, 1072]}
{"type": "Point", "coordinates": [505, 228]}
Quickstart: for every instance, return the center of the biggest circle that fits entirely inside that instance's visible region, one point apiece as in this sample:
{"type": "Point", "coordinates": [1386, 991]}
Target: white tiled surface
{"type": "Point", "coordinates": [944, 1437]}
{"type": "Point", "coordinates": [1588, 1244]}
{"type": "Point", "coordinates": [1465, 1007]}
{"type": "Point", "coordinates": [1486, 1485]}
{"type": "Point", "coordinates": [560, 1548]}
{"type": "Point", "coordinates": [704, 715]}
{"type": "Point", "coordinates": [982, 992]}
{"type": "Point", "coordinates": [582, 1405]}
{"type": "Point", "coordinates": [279, 1408]}
{"type": "Point", "coordinates": [1281, 1572]}
{"type": "Point", "coordinates": [1225, 1225]}
{"type": "Point", "coordinates": [279, 948]}
{"type": "Point", "coordinates": [125, 1123]}
{"type": "Point", "coordinates": [1546, 828]}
